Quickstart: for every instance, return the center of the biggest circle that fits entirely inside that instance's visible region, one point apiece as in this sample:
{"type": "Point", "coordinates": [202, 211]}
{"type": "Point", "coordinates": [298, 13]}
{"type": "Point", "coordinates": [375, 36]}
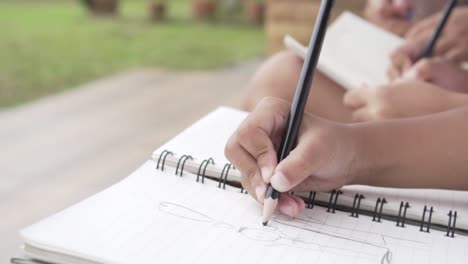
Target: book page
{"type": "Point", "coordinates": [157, 217]}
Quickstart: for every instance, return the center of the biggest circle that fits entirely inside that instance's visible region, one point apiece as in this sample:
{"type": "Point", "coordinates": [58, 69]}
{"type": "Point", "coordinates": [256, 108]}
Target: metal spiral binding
{"type": "Point", "coordinates": [204, 164]}
{"type": "Point", "coordinates": [310, 202]}
{"type": "Point", "coordinates": [224, 175]}
{"type": "Point", "coordinates": [401, 218]}
{"type": "Point", "coordinates": [451, 226]}
{"type": "Point", "coordinates": [243, 190]}
{"type": "Point", "coordinates": [163, 155]}
{"type": "Point", "coordinates": [426, 226]}
{"type": "Point", "coordinates": [356, 205]}
{"type": "Point", "coordinates": [335, 195]}
{"type": "Point", "coordinates": [182, 159]}
{"type": "Point", "coordinates": [378, 215]}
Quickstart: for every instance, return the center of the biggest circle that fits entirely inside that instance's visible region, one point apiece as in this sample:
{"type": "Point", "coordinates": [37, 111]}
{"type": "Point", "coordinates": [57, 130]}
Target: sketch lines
{"type": "Point", "coordinates": [300, 234]}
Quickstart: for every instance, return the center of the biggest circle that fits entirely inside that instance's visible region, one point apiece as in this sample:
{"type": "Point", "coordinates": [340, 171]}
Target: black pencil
{"type": "Point", "coordinates": [300, 100]}
{"type": "Point", "coordinates": [448, 8]}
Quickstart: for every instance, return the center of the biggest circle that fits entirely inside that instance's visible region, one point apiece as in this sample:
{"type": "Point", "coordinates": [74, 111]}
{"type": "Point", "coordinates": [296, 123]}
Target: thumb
{"type": "Point", "coordinates": [295, 168]}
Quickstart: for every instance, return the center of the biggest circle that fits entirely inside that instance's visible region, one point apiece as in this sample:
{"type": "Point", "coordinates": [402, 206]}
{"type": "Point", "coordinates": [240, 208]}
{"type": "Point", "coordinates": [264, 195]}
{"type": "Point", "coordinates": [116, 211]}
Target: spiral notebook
{"type": "Point", "coordinates": [354, 51]}
{"type": "Point", "coordinates": [185, 206]}
{"type": "Point", "coordinates": [205, 140]}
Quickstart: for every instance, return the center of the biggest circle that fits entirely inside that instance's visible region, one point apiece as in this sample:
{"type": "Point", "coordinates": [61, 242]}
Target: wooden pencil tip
{"type": "Point", "coordinates": [265, 223]}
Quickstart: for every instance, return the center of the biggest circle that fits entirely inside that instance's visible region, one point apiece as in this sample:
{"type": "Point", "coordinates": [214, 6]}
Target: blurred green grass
{"type": "Point", "coordinates": [51, 46]}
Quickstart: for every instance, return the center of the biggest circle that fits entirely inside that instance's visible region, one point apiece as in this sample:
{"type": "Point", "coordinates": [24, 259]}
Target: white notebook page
{"type": "Point", "coordinates": [157, 217]}
{"type": "Point", "coordinates": [207, 137]}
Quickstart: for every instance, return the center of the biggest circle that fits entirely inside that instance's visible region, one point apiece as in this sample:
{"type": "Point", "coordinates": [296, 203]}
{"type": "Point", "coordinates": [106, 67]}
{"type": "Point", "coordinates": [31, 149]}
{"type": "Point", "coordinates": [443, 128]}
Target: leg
{"type": "Point", "coordinates": [278, 77]}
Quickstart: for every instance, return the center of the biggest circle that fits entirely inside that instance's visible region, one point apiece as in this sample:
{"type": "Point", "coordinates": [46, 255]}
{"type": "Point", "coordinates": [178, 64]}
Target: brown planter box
{"type": "Point", "coordinates": [296, 18]}
{"type": "Point", "coordinates": [203, 9]}
{"type": "Point", "coordinates": [157, 11]}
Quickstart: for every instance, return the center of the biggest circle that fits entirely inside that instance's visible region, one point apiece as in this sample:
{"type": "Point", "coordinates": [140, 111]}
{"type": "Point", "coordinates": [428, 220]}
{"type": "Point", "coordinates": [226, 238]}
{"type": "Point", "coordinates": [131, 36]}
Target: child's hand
{"type": "Point", "coordinates": [453, 42]}
{"type": "Point", "coordinates": [322, 161]}
{"type": "Point", "coordinates": [452, 45]}
{"type": "Point", "coordinates": [441, 72]}
{"type": "Point", "coordinates": [403, 58]}
{"type": "Point", "coordinates": [404, 98]}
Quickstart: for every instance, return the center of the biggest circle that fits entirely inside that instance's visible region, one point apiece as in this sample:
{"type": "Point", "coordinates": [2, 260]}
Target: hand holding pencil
{"type": "Point", "coordinates": [322, 161]}
{"type": "Point", "coordinates": [292, 124]}
{"type": "Point", "coordinates": [450, 44]}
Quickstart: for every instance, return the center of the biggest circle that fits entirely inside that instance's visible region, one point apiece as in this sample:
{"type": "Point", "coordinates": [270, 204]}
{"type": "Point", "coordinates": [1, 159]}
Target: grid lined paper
{"type": "Point", "coordinates": [155, 216]}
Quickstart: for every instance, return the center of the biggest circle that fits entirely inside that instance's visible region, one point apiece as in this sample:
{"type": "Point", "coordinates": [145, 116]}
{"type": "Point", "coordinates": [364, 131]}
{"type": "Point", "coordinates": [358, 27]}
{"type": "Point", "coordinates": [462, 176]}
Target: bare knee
{"type": "Point", "coordinates": [284, 62]}
{"type": "Point", "coordinates": [276, 77]}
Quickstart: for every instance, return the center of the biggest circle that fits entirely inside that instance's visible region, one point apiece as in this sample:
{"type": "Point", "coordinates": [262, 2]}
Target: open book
{"type": "Point", "coordinates": [354, 51]}
{"type": "Point", "coordinates": [184, 206]}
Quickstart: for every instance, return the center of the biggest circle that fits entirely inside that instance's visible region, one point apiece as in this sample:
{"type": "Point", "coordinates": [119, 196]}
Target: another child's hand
{"type": "Point", "coordinates": [441, 72]}
{"type": "Point", "coordinates": [322, 160]}
{"type": "Point", "coordinates": [404, 98]}
{"type": "Point", "coordinates": [452, 44]}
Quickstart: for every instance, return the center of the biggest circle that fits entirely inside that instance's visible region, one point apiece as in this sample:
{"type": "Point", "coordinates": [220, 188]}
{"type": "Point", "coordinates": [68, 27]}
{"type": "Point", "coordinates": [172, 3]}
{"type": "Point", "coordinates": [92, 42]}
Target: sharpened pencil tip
{"type": "Point", "coordinates": [265, 223]}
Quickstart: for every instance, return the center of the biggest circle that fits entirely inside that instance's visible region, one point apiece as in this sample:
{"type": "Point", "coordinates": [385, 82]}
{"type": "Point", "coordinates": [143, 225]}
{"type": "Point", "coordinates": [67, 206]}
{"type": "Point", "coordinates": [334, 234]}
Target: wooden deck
{"type": "Point", "coordinates": [61, 149]}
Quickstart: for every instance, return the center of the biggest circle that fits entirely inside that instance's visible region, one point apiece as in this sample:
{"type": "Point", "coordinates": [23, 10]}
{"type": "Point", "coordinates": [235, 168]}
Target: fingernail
{"type": "Point", "coordinates": [266, 173]}
{"type": "Point", "coordinates": [260, 190]}
{"type": "Point", "coordinates": [280, 182]}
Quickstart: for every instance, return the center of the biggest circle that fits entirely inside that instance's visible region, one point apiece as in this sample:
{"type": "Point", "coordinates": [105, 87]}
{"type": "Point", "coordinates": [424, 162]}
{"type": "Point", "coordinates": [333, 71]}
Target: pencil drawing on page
{"type": "Point", "coordinates": [303, 233]}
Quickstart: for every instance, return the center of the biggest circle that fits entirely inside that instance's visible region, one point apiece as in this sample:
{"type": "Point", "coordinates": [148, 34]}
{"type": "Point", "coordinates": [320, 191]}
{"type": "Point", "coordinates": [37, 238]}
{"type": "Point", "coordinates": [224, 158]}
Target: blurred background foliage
{"type": "Point", "coordinates": [47, 46]}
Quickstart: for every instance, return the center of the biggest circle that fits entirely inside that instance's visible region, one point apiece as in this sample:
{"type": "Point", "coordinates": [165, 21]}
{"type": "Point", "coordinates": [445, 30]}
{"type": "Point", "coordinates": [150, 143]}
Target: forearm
{"type": "Point", "coordinates": [457, 100]}
{"type": "Point", "coordinates": [423, 152]}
